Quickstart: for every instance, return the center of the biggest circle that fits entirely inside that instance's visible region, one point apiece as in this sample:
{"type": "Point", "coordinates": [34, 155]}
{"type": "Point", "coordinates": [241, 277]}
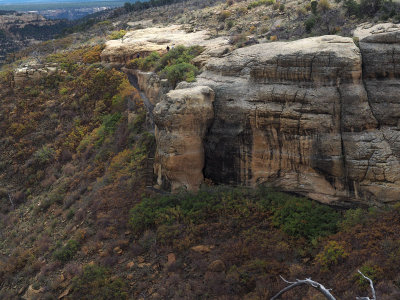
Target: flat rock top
{"type": "Point", "coordinates": [341, 46]}
{"type": "Point", "coordinates": [380, 33]}
{"type": "Point", "coordinates": [158, 38]}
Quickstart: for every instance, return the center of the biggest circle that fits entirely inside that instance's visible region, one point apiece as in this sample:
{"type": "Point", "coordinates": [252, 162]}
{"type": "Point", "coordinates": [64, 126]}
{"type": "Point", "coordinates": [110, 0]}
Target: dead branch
{"type": "Point", "coordinates": [306, 281]}
{"type": "Point", "coordinates": [371, 284]}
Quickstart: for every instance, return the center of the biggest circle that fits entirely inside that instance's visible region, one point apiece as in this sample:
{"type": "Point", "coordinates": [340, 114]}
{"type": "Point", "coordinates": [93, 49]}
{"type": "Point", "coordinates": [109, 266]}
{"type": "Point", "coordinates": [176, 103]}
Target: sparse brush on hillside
{"type": "Point", "coordinates": [382, 9]}
{"type": "Point", "coordinates": [76, 219]}
{"type": "Point", "coordinates": [76, 151]}
{"type": "Point", "coordinates": [256, 235]}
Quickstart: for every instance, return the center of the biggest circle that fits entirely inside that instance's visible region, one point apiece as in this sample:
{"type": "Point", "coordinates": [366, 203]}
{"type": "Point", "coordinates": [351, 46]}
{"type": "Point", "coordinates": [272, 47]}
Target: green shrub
{"type": "Point", "coordinates": [44, 155]}
{"type": "Point", "coordinates": [64, 91]}
{"type": "Point", "coordinates": [352, 7]}
{"type": "Point", "coordinates": [324, 5]}
{"type": "Point", "coordinates": [67, 252]}
{"type": "Point", "coordinates": [296, 216]}
{"type": "Point", "coordinates": [371, 7]}
{"type": "Point", "coordinates": [179, 54]}
{"type": "Point", "coordinates": [188, 208]}
{"type": "Point", "coordinates": [70, 214]}
{"type": "Point", "coordinates": [310, 23]}
{"type": "Point", "coordinates": [301, 217]}
{"type": "Point", "coordinates": [370, 270]}
{"type": "Point", "coordinates": [110, 122]}
{"type": "Point", "coordinates": [314, 5]}
{"type": "Point", "coordinates": [108, 126]}
{"type": "Point", "coordinates": [224, 15]}
{"type": "Point", "coordinates": [353, 217]}
{"type": "Point", "coordinates": [356, 41]}
{"type": "Point", "coordinates": [331, 255]}
{"type": "Point", "coordinates": [175, 65]}
{"type": "Point", "coordinates": [149, 62]}
{"type": "Point", "coordinates": [229, 24]}
{"type": "Point", "coordinates": [97, 283]}
{"type": "Point", "coordinates": [134, 63]}
{"type": "Point", "coordinates": [6, 77]}
{"type": "Point", "coordinates": [180, 72]}
{"type": "Point", "coordinates": [260, 2]}
{"type": "Point", "coordinates": [115, 35]}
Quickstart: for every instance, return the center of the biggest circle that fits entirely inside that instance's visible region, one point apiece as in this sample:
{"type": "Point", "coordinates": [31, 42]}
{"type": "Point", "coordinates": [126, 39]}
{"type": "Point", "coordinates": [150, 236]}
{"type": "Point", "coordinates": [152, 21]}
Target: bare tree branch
{"type": "Point", "coordinates": [371, 284]}
{"type": "Point", "coordinates": [307, 281]}
{"type": "Point", "coordinates": [321, 288]}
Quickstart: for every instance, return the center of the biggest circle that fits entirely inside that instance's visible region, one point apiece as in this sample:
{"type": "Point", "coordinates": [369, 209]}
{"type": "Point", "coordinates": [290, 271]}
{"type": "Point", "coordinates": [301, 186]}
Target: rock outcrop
{"type": "Point", "coordinates": [144, 41]}
{"type": "Point", "coordinates": [284, 113]}
{"type": "Point", "coordinates": [313, 116]}
{"type": "Point", "coordinates": [33, 71]}
{"type": "Point", "coordinates": [182, 119]}
{"type": "Point", "coordinates": [151, 84]}
{"type": "Point", "coordinates": [318, 116]}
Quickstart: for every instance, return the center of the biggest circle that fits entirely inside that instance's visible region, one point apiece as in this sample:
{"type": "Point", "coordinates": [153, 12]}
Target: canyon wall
{"type": "Point", "coordinates": [182, 119]}
{"type": "Point", "coordinates": [317, 116]}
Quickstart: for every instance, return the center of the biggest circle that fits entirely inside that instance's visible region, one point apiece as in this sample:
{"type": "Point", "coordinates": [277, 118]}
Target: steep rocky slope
{"type": "Point", "coordinates": [79, 218]}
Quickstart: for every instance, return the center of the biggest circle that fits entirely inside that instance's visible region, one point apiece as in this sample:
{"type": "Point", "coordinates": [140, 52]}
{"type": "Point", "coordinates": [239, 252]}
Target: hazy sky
{"type": "Point", "coordinates": [43, 1]}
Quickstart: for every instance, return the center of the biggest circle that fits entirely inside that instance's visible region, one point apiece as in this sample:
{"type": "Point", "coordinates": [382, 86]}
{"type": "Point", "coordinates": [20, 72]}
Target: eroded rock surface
{"type": "Point", "coordinates": [32, 72]}
{"type": "Point", "coordinates": [144, 41]}
{"type": "Point", "coordinates": [284, 113]}
{"type": "Point", "coordinates": [182, 119]}
{"type": "Point", "coordinates": [318, 116]}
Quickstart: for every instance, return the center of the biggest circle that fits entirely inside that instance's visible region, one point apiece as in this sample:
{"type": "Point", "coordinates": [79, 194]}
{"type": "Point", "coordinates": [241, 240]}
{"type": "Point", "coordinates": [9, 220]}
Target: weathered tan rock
{"type": "Point", "coordinates": [280, 111]}
{"type": "Point", "coordinates": [300, 116]}
{"type": "Point", "coordinates": [182, 120]}
{"type": "Point", "coordinates": [202, 248]}
{"type": "Point", "coordinates": [171, 259]}
{"type": "Point", "coordinates": [32, 72]}
{"type": "Point", "coordinates": [380, 46]}
{"type": "Point", "coordinates": [33, 294]}
{"type": "Point", "coordinates": [318, 116]}
{"type": "Point", "coordinates": [145, 41]}
{"type": "Point", "coordinates": [151, 84]}
{"type": "Point", "coordinates": [297, 115]}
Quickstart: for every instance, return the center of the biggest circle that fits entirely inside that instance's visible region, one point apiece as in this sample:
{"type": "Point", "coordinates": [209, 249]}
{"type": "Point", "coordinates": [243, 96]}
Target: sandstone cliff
{"type": "Point", "coordinates": [317, 116]}
{"type": "Point", "coordinates": [182, 119]}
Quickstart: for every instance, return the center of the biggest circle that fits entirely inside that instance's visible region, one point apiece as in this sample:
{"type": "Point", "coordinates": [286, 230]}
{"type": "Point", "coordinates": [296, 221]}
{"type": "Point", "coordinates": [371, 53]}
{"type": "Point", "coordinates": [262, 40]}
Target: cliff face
{"type": "Point", "coordinates": [182, 119]}
{"type": "Point", "coordinates": [317, 116]}
{"type": "Point", "coordinates": [284, 115]}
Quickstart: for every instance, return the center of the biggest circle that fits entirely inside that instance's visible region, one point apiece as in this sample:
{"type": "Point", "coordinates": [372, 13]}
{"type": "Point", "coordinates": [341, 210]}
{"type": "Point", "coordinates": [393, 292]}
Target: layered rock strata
{"type": "Point", "coordinates": [318, 117]}
{"type": "Point", "coordinates": [182, 119]}
{"type": "Point", "coordinates": [280, 113]}
{"type": "Point", "coordinates": [313, 116]}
